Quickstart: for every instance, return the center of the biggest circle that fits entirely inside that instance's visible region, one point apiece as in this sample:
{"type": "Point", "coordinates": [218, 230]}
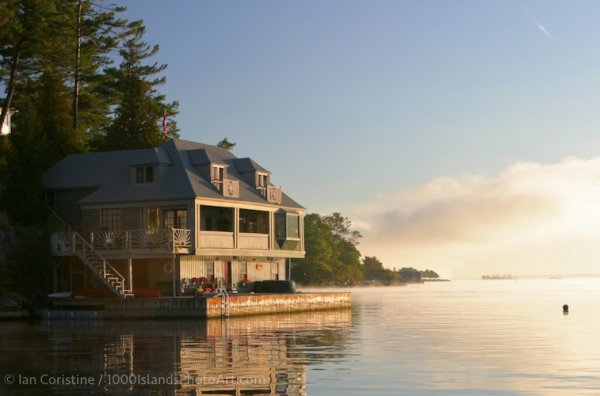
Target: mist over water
{"type": "Point", "coordinates": [495, 337]}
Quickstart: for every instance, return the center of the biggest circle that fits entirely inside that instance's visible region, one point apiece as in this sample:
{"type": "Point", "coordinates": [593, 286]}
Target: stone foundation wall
{"type": "Point", "coordinates": [195, 307]}
{"type": "Point", "coordinates": [254, 304]}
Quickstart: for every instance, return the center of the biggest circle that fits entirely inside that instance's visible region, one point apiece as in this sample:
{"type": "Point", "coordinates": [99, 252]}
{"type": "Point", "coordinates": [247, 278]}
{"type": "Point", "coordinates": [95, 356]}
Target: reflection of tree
{"type": "Point", "coordinates": [270, 353]}
{"type": "Point", "coordinates": [263, 355]}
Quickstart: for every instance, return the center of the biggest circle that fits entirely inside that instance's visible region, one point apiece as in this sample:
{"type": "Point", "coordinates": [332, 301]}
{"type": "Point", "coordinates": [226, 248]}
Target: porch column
{"type": "Point", "coordinates": [236, 227]}
{"type": "Point", "coordinates": [130, 273]}
{"type": "Point", "coordinates": [174, 273]}
{"type": "Point", "coordinates": [54, 275]}
{"type": "Point", "coordinates": [271, 230]}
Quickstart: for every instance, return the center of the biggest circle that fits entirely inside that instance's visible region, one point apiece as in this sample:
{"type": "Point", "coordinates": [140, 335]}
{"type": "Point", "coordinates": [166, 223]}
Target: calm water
{"type": "Point", "coordinates": [459, 338]}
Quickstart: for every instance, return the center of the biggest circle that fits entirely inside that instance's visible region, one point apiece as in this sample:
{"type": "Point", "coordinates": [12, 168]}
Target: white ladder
{"type": "Point", "coordinates": [222, 290]}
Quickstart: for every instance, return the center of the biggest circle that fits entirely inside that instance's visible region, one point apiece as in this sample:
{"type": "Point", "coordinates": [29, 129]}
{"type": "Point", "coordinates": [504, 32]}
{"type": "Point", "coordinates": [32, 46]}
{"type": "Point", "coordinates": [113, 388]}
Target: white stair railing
{"type": "Point", "coordinates": [95, 262]}
{"type": "Point", "coordinates": [222, 290]}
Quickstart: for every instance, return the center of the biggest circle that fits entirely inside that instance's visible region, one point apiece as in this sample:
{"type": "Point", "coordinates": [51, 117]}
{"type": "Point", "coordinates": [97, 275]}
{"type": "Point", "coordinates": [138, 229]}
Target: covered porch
{"type": "Point", "coordinates": [110, 255]}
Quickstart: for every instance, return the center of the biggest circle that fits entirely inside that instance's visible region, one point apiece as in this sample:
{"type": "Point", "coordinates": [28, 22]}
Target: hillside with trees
{"type": "Point", "coordinates": [332, 257]}
{"type": "Point", "coordinates": [81, 78]}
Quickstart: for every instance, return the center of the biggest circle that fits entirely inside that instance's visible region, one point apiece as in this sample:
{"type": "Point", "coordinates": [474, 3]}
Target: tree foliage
{"type": "Point", "coordinates": [139, 107]}
{"type": "Point", "coordinates": [332, 256]}
{"type": "Point", "coordinates": [226, 144]}
{"type": "Point", "coordinates": [374, 271]}
{"type": "Point", "coordinates": [81, 77]}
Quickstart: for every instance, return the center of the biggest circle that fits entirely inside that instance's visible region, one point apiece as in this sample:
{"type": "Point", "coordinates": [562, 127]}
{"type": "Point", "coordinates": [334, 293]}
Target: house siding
{"type": "Point", "coordinates": [90, 220]}
{"type": "Point", "coordinates": [131, 218]}
{"type": "Point", "coordinates": [66, 205]}
{"type": "Point", "coordinates": [258, 269]}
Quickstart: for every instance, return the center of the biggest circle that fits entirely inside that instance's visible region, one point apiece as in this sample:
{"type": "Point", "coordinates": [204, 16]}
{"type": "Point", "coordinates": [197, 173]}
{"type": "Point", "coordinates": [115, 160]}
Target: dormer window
{"type": "Point", "coordinates": [262, 180]}
{"type": "Point", "coordinates": [217, 175]}
{"type": "Point", "coordinates": [144, 174]}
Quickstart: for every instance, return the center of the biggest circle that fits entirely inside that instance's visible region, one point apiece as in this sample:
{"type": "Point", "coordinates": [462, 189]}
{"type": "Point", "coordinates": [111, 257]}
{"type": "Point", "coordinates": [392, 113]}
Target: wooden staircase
{"type": "Point", "coordinates": [81, 248]}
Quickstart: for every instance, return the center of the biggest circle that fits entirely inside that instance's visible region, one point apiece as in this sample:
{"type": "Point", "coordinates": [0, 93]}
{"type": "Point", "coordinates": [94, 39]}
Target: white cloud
{"type": "Point", "coordinates": [532, 218]}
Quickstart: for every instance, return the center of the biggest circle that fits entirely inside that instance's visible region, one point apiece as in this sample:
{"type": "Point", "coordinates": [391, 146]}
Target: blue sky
{"type": "Point", "coordinates": [349, 102]}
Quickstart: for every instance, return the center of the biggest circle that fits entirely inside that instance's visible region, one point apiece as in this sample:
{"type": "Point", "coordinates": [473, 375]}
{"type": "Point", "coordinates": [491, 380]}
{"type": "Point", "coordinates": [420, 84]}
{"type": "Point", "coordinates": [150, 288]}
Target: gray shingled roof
{"type": "Point", "coordinates": [110, 173]}
{"type": "Point", "coordinates": [244, 165]}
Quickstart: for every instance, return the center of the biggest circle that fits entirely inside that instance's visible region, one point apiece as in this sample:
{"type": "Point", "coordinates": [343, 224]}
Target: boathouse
{"type": "Point", "coordinates": [157, 220]}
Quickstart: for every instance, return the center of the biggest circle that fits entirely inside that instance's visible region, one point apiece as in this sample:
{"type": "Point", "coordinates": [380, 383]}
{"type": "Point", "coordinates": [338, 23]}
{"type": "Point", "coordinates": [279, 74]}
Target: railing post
{"type": "Point", "coordinates": [171, 242]}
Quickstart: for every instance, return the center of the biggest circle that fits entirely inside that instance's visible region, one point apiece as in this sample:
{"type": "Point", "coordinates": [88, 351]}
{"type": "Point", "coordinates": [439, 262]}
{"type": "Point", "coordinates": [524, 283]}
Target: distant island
{"type": "Point", "coordinates": [497, 276]}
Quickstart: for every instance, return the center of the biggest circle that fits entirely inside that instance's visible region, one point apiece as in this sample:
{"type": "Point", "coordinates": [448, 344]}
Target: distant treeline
{"type": "Point", "coordinates": [333, 258]}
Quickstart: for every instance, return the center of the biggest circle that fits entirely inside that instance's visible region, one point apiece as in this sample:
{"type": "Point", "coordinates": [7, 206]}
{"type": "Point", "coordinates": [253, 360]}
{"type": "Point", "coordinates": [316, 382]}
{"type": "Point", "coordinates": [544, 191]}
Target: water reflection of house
{"type": "Point", "coordinates": [151, 218]}
{"type": "Point", "coordinates": [243, 356]}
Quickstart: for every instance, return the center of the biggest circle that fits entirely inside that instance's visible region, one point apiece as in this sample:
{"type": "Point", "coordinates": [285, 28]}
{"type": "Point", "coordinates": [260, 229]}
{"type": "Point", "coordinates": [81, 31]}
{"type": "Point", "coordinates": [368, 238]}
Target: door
{"type": "Point", "coordinates": [227, 272]}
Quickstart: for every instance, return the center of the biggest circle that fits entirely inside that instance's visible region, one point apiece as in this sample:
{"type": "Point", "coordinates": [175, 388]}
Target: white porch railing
{"type": "Point", "coordinates": [216, 239]}
{"type": "Point", "coordinates": [174, 240]}
{"type": "Point", "coordinates": [73, 244]}
{"type": "Point", "coordinates": [253, 241]}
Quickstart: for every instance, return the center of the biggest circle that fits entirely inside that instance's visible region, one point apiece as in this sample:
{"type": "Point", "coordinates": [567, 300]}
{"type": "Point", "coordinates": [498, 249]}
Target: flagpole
{"type": "Point", "coordinates": [165, 128]}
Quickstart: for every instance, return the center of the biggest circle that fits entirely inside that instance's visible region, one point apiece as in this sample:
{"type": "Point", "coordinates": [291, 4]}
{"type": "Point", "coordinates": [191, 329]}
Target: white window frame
{"type": "Point", "coordinates": [144, 178]}
{"type": "Point", "coordinates": [262, 180]}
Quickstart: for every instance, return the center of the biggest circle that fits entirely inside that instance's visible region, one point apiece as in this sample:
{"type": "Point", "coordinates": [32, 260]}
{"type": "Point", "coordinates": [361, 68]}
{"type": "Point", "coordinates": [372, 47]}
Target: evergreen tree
{"type": "Point", "coordinates": [38, 46]}
{"type": "Point", "coordinates": [42, 136]}
{"type": "Point", "coordinates": [94, 30]}
{"type": "Point", "coordinates": [24, 27]}
{"type": "Point", "coordinates": [226, 144]}
{"type": "Point", "coordinates": [55, 58]}
{"type": "Point", "coordinates": [140, 106]}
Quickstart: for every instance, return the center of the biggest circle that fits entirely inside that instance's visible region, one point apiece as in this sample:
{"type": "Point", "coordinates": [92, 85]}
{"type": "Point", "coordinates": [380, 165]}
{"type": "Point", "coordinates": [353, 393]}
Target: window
{"type": "Point", "coordinates": [254, 221]}
{"type": "Point", "coordinates": [215, 218]}
{"type": "Point", "coordinates": [144, 174]}
{"type": "Point", "coordinates": [153, 220]}
{"type": "Point", "coordinates": [280, 229]}
{"type": "Point", "coordinates": [262, 180]}
{"type": "Point", "coordinates": [217, 174]}
{"type": "Point", "coordinates": [287, 226]}
{"type": "Point", "coordinates": [210, 269]}
{"type": "Point", "coordinates": [293, 226]}
{"type": "Point", "coordinates": [175, 218]}
{"type": "Point", "coordinates": [243, 271]}
{"type": "Point", "coordinates": [110, 219]}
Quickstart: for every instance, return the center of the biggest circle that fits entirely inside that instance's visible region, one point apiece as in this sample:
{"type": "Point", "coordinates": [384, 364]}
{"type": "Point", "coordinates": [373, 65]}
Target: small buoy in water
{"type": "Point", "coordinates": [565, 308]}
